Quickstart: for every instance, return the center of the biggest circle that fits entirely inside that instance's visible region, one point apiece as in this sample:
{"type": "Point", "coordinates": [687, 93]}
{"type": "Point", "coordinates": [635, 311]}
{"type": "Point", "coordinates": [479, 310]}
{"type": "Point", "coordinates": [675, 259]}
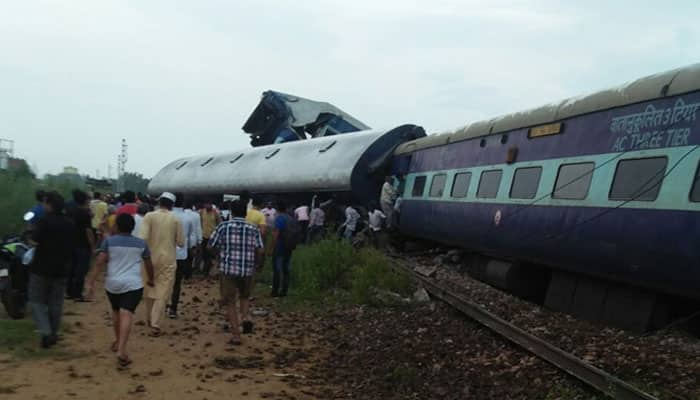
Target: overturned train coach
{"type": "Point", "coordinates": [592, 203]}
{"type": "Point", "coordinates": [349, 168]}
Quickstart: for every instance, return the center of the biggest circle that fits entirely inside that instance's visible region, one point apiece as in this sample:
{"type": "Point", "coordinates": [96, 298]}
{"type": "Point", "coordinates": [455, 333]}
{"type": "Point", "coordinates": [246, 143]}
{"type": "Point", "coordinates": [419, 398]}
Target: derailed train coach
{"type": "Point", "coordinates": [349, 168]}
{"type": "Point", "coordinates": [592, 203]}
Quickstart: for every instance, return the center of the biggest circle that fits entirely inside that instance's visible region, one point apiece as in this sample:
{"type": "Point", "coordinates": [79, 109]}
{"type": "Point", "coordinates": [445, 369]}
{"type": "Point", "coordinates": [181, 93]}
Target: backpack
{"type": "Point", "coordinates": [292, 234]}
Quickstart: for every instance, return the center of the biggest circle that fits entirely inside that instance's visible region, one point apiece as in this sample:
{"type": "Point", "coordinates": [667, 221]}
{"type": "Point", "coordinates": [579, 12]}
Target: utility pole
{"type": "Point", "coordinates": [121, 166]}
{"type": "Point", "coordinates": [7, 151]}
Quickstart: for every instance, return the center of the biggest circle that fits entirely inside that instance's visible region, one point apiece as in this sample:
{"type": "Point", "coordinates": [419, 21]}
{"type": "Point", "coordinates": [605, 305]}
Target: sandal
{"type": "Point", "coordinates": [123, 361]}
{"type": "Point", "coordinates": [234, 341]}
{"type": "Point", "coordinates": [155, 332]}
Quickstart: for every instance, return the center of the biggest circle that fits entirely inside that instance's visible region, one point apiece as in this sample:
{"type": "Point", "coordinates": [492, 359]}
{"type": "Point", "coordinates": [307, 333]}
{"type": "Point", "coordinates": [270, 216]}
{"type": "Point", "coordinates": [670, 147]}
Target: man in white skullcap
{"type": "Point", "coordinates": [163, 233]}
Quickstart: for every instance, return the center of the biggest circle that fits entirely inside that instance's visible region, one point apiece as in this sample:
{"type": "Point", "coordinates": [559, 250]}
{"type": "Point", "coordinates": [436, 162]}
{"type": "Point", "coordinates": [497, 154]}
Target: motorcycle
{"type": "Point", "coordinates": [15, 255]}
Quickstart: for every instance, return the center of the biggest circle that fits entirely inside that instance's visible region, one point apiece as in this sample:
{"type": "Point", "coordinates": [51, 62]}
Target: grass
{"type": "Point", "coordinates": [560, 391]}
{"type": "Point", "coordinates": [18, 187]}
{"type": "Point", "coordinates": [20, 339]}
{"type": "Point", "coordinates": [331, 272]}
{"type": "Point", "coordinates": [18, 197]}
{"type": "Point", "coordinates": [402, 376]}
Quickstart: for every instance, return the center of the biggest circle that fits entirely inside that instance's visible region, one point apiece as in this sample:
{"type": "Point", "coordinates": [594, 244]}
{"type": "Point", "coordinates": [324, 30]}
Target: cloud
{"type": "Point", "coordinates": [179, 77]}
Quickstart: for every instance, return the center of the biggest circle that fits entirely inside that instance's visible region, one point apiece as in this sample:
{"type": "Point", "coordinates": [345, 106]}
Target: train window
{"type": "Point", "coordinates": [207, 162]}
{"type": "Point", "coordinates": [638, 179]}
{"type": "Point", "coordinates": [327, 147]}
{"type": "Point", "coordinates": [695, 191]}
{"type": "Point", "coordinates": [573, 181]}
{"type": "Point", "coordinates": [525, 183]}
{"type": "Point", "coordinates": [181, 165]}
{"type": "Point", "coordinates": [418, 186]}
{"type": "Point", "coordinates": [461, 184]}
{"type": "Point", "coordinates": [489, 183]}
{"type": "Point", "coordinates": [437, 187]}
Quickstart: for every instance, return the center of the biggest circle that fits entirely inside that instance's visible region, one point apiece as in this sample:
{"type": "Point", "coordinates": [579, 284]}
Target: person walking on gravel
{"type": "Point", "coordinates": [240, 247]}
{"type": "Point", "coordinates": [123, 254]}
{"type": "Point", "coordinates": [163, 232]}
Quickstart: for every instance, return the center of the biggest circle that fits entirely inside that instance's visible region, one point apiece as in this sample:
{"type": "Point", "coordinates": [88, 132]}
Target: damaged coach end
{"type": "Point", "coordinates": [347, 167]}
{"type": "Point", "coordinates": [281, 117]}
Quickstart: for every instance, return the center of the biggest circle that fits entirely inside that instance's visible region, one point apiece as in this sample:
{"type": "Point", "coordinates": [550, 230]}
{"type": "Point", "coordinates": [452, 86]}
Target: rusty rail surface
{"type": "Point", "coordinates": [567, 362]}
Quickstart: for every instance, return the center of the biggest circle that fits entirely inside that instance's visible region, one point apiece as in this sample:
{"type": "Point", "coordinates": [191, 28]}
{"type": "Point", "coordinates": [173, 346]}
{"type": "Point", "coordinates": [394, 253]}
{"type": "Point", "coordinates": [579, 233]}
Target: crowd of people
{"type": "Point", "coordinates": [147, 247]}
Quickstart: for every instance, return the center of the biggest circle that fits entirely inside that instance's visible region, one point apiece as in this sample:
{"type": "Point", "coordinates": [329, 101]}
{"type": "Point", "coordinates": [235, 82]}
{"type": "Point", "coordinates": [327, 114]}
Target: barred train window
{"type": "Point", "coordinates": [573, 181]}
{"type": "Point", "coordinates": [638, 179]}
{"type": "Point", "coordinates": [437, 187]}
{"type": "Point", "coordinates": [461, 184]}
{"type": "Point", "coordinates": [489, 184]}
{"type": "Point", "coordinates": [525, 183]}
{"type": "Point", "coordinates": [418, 186]}
{"type": "Point", "coordinates": [695, 191]}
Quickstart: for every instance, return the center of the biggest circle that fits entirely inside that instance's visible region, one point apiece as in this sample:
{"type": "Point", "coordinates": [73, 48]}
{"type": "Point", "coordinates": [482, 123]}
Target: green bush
{"type": "Point", "coordinates": [374, 272]}
{"type": "Point", "coordinates": [17, 188]}
{"type": "Point", "coordinates": [321, 267]}
{"type": "Point", "coordinates": [333, 270]}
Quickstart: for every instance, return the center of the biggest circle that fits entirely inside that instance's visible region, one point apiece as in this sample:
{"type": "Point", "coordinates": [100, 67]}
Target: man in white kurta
{"type": "Point", "coordinates": [163, 233]}
{"type": "Point", "coordinates": [386, 200]}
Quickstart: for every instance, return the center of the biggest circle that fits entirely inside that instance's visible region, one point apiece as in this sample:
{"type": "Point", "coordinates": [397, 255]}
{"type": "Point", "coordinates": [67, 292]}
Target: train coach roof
{"type": "Point", "coordinates": [326, 164]}
{"type": "Point", "coordinates": [674, 82]}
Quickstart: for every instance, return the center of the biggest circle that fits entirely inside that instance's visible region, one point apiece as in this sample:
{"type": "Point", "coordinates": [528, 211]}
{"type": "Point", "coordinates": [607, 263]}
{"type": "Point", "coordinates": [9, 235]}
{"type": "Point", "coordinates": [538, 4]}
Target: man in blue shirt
{"type": "Point", "coordinates": [282, 247]}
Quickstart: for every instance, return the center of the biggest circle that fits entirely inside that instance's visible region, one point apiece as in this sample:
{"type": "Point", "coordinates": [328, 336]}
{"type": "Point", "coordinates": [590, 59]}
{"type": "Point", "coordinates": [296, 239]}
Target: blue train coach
{"type": "Point", "coordinates": [594, 199]}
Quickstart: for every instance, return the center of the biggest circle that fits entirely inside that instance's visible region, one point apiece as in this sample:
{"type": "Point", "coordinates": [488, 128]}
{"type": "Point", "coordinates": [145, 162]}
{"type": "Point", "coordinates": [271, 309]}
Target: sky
{"type": "Point", "coordinates": [177, 78]}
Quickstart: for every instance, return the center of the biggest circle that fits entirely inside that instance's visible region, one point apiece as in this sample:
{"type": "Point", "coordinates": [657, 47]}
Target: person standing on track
{"type": "Point", "coordinates": [376, 220]}
{"type": "Point", "coordinates": [123, 254]}
{"type": "Point", "coordinates": [386, 200]}
{"type": "Point", "coordinates": [352, 217]}
{"type": "Point", "coordinates": [163, 233]}
{"type": "Point", "coordinates": [317, 219]}
{"type": "Point", "coordinates": [240, 247]}
{"type": "Point", "coordinates": [301, 214]}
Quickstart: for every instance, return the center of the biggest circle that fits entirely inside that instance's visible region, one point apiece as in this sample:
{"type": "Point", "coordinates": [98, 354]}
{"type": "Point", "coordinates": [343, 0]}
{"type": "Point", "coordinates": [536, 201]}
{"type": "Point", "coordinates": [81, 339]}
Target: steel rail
{"type": "Point", "coordinates": [567, 362]}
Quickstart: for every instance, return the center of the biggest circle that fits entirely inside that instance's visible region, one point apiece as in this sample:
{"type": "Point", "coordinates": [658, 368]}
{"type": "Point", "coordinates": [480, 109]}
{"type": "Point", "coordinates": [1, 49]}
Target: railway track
{"type": "Point", "coordinates": [594, 377]}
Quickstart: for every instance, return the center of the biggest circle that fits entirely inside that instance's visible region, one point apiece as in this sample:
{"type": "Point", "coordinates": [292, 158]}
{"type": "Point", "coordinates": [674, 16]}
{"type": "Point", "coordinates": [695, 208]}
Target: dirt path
{"type": "Point", "coordinates": [191, 361]}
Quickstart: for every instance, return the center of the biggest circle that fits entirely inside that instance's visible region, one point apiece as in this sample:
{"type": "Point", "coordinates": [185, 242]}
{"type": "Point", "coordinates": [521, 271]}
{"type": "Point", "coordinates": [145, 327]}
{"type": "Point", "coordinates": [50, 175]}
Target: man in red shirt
{"type": "Point", "coordinates": [129, 204]}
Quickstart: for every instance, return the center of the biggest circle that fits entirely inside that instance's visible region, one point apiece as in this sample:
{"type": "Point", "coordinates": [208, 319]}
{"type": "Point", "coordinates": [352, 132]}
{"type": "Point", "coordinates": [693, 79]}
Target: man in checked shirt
{"type": "Point", "coordinates": [240, 246]}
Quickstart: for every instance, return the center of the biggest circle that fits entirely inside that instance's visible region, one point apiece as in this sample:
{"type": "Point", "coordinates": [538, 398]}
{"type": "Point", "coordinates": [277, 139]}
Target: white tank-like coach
{"type": "Point", "coordinates": [349, 165]}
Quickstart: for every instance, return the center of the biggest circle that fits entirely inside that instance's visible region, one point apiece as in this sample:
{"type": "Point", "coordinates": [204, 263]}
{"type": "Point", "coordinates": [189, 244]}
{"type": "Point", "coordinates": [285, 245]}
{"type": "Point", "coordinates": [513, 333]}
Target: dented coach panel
{"type": "Point", "coordinates": [343, 163]}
